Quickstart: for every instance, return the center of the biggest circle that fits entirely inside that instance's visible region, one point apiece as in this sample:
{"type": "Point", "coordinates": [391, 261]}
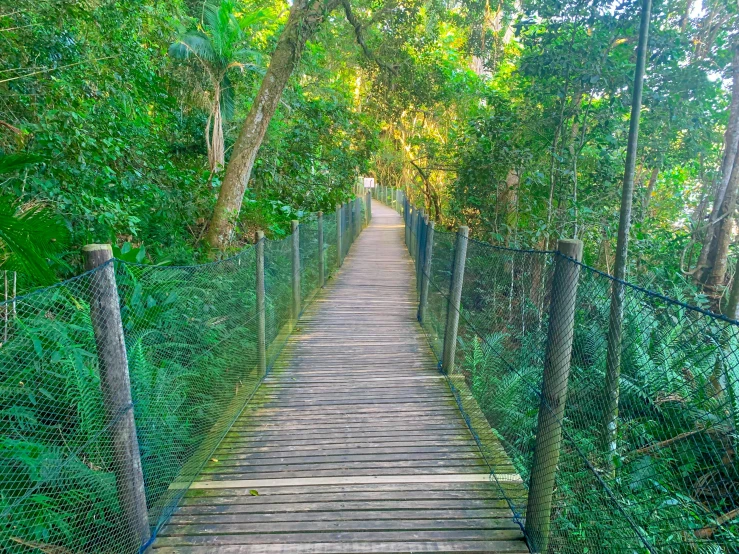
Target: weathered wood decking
{"type": "Point", "coordinates": [354, 443]}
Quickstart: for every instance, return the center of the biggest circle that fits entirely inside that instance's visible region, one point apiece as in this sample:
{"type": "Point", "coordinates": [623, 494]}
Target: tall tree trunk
{"type": "Point", "coordinates": [717, 258]}
{"type": "Point", "coordinates": [510, 201]}
{"type": "Point", "coordinates": [615, 324]}
{"type": "Point", "coordinates": [305, 17]}
{"type": "Point", "coordinates": [707, 259]}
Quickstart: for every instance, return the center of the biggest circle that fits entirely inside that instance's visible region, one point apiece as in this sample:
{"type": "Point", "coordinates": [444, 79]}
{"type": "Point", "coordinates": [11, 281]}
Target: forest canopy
{"type": "Point", "coordinates": [138, 122]}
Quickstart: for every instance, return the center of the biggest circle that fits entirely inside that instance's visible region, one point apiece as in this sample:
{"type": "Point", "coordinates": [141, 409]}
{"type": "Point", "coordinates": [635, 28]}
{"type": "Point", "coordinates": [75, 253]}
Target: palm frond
{"type": "Point", "coordinates": [228, 101]}
{"type": "Point", "coordinates": [28, 238]}
{"type": "Point", "coordinates": [223, 28]}
{"type": "Point", "coordinates": [252, 19]}
{"type": "Point", "coordinates": [195, 44]}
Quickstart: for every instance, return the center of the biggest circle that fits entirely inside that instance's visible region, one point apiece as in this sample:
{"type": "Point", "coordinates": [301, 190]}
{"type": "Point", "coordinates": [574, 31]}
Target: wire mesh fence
{"type": "Point", "coordinates": [643, 460]}
{"type": "Point", "coordinates": [190, 337]}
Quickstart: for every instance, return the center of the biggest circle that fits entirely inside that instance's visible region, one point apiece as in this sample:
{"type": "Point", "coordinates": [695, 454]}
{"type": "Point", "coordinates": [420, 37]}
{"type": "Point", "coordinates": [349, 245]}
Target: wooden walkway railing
{"type": "Point", "coordinates": [355, 442]}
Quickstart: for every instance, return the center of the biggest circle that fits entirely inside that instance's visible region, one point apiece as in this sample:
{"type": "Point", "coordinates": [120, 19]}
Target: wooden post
{"type": "Point", "coordinates": [554, 393]}
{"type": "Point", "coordinates": [368, 210]}
{"type": "Point", "coordinates": [116, 388]}
{"type": "Point", "coordinates": [408, 227]}
{"type": "Point", "coordinates": [353, 208]}
{"type": "Point", "coordinates": [357, 217]}
{"type": "Point", "coordinates": [338, 236]}
{"type": "Point", "coordinates": [321, 265]}
{"type": "Point", "coordinates": [414, 233]}
{"type": "Point", "coordinates": [5, 334]}
{"type": "Point", "coordinates": [417, 231]}
{"type": "Point", "coordinates": [420, 248]}
{"type": "Point", "coordinates": [455, 300]}
{"type": "Point", "coordinates": [426, 271]}
{"type": "Point", "coordinates": [296, 269]}
{"type": "Point", "coordinates": [349, 217]}
{"type": "Point", "coordinates": [261, 307]}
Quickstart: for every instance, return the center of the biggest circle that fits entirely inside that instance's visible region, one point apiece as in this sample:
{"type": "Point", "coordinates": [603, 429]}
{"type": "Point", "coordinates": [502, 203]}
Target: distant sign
{"type": "Point", "coordinates": [369, 182]}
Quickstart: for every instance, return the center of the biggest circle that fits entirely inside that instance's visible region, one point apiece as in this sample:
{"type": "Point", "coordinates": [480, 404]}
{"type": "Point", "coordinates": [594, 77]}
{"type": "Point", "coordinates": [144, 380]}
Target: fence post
{"type": "Point", "coordinates": [296, 269]}
{"type": "Point", "coordinates": [426, 271]}
{"type": "Point", "coordinates": [554, 393]}
{"type": "Point", "coordinates": [355, 220]}
{"type": "Point", "coordinates": [368, 211]}
{"type": "Point", "coordinates": [420, 248]}
{"type": "Point", "coordinates": [409, 229]}
{"type": "Point", "coordinates": [455, 299]}
{"type": "Point", "coordinates": [417, 245]}
{"type": "Point", "coordinates": [357, 216]}
{"type": "Point", "coordinates": [116, 387]}
{"type": "Point", "coordinates": [261, 307]}
{"type": "Point", "coordinates": [338, 236]}
{"type": "Point", "coordinates": [352, 223]}
{"type": "Point", "coordinates": [321, 253]}
{"type": "Point", "coordinates": [414, 233]}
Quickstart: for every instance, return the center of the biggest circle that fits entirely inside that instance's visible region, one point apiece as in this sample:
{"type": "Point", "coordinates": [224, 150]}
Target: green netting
{"type": "Point", "coordinates": [56, 481]}
{"type": "Point", "coordinates": [670, 482]}
{"type": "Point", "coordinates": [191, 342]}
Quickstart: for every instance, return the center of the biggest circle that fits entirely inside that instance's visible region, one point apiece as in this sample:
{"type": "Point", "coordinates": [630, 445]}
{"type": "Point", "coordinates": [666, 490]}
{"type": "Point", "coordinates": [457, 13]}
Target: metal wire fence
{"type": "Point", "coordinates": [190, 338]}
{"type": "Point", "coordinates": [641, 460]}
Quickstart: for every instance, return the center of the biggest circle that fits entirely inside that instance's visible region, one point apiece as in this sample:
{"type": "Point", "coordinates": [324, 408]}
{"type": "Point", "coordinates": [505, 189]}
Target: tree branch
{"type": "Point", "coordinates": [354, 22]}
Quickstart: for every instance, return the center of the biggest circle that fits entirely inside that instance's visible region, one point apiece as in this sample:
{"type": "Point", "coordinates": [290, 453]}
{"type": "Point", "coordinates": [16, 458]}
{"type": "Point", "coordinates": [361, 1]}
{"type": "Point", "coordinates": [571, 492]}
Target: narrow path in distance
{"type": "Point", "coordinates": [354, 443]}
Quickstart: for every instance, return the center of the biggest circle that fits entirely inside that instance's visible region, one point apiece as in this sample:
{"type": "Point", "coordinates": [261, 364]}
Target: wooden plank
{"type": "Point", "coordinates": [459, 546]}
{"type": "Point", "coordinates": [476, 489]}
{"type": "Point", "coordinates": [354, 442]}
{"type": "Point", "coordinates": [346, 480]}
{"type": "Point", "coordinates": [438, 514]}
{"type": "Point", "coordinates": [413, 507]}
{"type": "Point", "coordinates": [236, 525]}
{"type": "Point", "coordinates": [341, 536]}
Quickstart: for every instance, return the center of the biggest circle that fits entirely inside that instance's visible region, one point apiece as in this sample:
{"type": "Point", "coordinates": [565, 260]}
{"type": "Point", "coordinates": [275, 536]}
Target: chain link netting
{"type": "Point", "coordinates": [660, 474]}
{"type": "Point", "coordinates": [190, 338]}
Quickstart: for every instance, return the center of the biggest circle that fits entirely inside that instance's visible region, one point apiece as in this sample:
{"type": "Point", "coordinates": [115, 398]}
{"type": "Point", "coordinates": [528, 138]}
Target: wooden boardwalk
{"type": "Point", "coordinates": [354, 443]}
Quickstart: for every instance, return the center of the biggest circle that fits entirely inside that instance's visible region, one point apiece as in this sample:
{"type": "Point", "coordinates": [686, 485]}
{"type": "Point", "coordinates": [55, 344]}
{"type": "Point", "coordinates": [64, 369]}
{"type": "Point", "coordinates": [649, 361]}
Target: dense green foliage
{"type": "Point", "coordinates": [190, 333]}
{"type": "Point", "coordinates": [510, 118]}
{"type": "Point", "coordinates": [119, 125]}
{"type": "Point", "coordinates": [677, 473]}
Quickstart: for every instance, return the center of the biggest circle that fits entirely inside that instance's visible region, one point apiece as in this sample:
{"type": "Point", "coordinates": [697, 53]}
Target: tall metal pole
{"type": "Point", "coordinates": [615, 323]}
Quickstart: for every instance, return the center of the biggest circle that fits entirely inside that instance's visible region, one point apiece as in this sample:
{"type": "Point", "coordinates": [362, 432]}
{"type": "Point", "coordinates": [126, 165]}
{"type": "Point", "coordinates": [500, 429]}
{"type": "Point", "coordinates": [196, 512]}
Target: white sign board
{"type": "Point", "coordinates": [369, 182]}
